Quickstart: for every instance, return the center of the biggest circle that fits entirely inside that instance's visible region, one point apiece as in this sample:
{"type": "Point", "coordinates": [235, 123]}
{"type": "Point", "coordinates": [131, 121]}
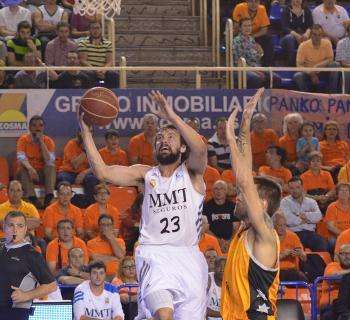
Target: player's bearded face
{"type": "Point", "coordinates": [168, 157]}
{"type": "Point", "coordinates": [168, 147]}
{"type": "Point", "coordinates": [241, 208]}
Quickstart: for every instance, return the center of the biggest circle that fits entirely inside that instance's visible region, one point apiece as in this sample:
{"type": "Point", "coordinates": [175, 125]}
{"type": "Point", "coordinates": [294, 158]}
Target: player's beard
{"type": "Point", "coordinates": [169, 158]}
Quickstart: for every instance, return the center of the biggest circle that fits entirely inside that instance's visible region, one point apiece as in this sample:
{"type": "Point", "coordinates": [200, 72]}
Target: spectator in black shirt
{"type": "Point", "coordinates": [220, 212]}
{"type": "Point", "coordinates": [296, 22]}
{"type": "Point", "coordinates": [73, 79]}
{"type": "Point", "coordinates": [24, 275]}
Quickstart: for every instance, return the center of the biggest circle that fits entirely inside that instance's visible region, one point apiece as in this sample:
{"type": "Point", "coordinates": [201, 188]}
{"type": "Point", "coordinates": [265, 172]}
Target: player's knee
{"type": "Point", "coordinates": [164, 314]}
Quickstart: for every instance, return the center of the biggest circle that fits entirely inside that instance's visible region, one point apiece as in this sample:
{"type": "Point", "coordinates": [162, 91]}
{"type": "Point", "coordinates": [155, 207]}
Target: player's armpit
{"type": "Point", "coordinates": [125, 176]}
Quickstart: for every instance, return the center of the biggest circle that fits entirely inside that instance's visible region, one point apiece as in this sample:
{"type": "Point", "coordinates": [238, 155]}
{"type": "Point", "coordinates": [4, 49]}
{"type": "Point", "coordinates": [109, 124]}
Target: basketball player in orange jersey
{"type": "Point", "coordinates": [251, 277]}
{"type": "Point", "coordinates": [172, 272]}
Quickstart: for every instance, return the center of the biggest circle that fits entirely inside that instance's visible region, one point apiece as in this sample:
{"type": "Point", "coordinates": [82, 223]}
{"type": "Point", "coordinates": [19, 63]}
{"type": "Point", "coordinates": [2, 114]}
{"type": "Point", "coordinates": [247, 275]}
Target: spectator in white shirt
{"type": "Point", "coordinates": [10, 16]}
{"type": "Point", "coordinates": [343, 56]}
{"type": "Point", "coordinates": [332, 18]}
{"type": "Point", "coordinates": [302, 214]}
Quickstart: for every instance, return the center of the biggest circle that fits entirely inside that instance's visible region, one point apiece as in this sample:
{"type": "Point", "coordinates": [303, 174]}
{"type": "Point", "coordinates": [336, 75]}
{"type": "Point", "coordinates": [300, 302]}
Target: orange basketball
{"type": "Point", "coordinates": [99, 105]}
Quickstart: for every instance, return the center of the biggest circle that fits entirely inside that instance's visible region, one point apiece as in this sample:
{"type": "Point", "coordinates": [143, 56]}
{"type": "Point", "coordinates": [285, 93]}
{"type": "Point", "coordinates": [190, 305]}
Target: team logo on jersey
{"type": "Point", "coordinates": [107, 300]}
{"type": "Point", "coordinates": [153, 183]}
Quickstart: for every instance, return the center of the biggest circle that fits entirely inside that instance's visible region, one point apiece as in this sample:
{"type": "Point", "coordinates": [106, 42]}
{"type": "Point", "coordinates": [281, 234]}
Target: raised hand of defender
{"type": "Point", "coordinates": [164, 110]}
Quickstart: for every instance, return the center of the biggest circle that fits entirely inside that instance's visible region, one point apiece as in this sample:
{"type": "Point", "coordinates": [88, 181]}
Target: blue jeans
{"type": "Point", "coordinates": [254, 80]}
{"type": "Point", "coordinates": [312, 240]}
{"type": "Point", "coordinates": [289, 46]}
{"type": "Point", "coordinates": [66, 176]}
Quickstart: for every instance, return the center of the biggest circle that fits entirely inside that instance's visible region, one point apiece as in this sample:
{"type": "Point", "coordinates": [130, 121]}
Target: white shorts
{"type": "Point", "coordinates": [181, 270]}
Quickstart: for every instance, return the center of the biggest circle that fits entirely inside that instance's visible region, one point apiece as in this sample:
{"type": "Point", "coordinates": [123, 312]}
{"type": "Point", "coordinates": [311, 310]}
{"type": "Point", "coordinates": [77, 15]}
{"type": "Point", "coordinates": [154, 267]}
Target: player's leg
{"type": "Point", "coordinates": [160, 304]}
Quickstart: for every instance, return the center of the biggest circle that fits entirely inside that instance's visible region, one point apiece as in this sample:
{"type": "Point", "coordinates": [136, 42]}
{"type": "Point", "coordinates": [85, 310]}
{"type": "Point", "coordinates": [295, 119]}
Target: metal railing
{"type": "Point", "coordinates": [229, 53]}
{"type": "Point", "coordinates": [203, 18]}
{"type": "Point", "coordinates": [216, 32]}
{"type": "Point", "coordinates": [111, 35]}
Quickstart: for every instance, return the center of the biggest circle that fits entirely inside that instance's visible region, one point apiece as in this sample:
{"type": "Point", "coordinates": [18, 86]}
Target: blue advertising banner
{"type": "Point", "coordinates": [58, 107]}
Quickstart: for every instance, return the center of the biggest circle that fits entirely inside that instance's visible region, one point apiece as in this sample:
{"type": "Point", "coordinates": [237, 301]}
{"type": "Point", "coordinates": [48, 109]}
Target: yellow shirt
{"type": "Point", "coordinates": [308, 55]}
{"type": "Point", "coordinates": [27, 208]}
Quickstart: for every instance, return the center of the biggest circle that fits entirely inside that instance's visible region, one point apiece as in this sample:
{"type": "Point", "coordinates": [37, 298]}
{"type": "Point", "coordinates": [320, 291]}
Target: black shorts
{"type": "Point", "coordinates": [14, 314]}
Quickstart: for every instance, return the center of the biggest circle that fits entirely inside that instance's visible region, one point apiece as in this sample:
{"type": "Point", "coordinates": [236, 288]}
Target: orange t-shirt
{"type": "Point", "coordinates": [209, 242]}
{"type": "Point", "coordinates": [118, 282]}
{"type": "Point", "coordinates": [211, 175]}
{"type": "Point", "coordinates": [344, 173]}
{"type": "Point", "coordinates": [289, 145]}
{"type": "Point", "coordinates": [53, 215]}
{"type": "Point", "coordinates": [340, 217]}
{"type": "Point", "coordinates": [260, 143]}
{"type": "Point", "coordinates": [119, 158]}
{"type": "Point", "coordinates": [71, 150]}
{"type": "Point", "coordinates": [52, 251]}
{"type": "Point", "coordinates": [323, 180]}
{"type": "Point", "coordinates": [281, 173]}
{"type": "Point", "coordinates": [334, 153]}
{"type": "Point", "coordinates": [343, 238]}
{"type": "Point", "coordinates": [98, 245]}
{"type": "Point", "coordinates": [142, 150]}
{"type": "Point", "coordinates": [32, 150]}
{"type": "Point", "coordinates": [326, 296]}
{"type": "Point", "coordinates": [228, 176]}
{"type": "Point", "coordinates": [260, 20]}
{"type": "Point", "coordinates": [290, 241]}
{"type": "Point", "coordinates": [92, 213]}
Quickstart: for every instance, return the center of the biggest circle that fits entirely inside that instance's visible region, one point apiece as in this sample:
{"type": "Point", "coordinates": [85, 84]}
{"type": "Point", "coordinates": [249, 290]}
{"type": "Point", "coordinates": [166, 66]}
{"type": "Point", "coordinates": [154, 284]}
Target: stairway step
{"type": "Point", "coordinates": [159, 10]}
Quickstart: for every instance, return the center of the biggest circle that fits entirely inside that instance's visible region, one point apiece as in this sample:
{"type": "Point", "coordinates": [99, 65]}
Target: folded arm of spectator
{"type": "Point", "coordinates": [261, 32]}
{"type": "Point", "coordinates": [4, 32]}
{"type": "Point", "coordinates": [314, 215]}
{"type": "Point", "coordinates": [292, 218]}
{"type": "Point", "coordinates": [332, 228]}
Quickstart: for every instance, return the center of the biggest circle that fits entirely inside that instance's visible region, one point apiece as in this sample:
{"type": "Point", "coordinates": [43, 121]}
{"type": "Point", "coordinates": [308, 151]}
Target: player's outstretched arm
{"type": "Point", "coordinates": [241, 155]}
{"type": "Point", "coordinates": [197, 159]}
{"type": "Point", "coordinates": [118, 175]}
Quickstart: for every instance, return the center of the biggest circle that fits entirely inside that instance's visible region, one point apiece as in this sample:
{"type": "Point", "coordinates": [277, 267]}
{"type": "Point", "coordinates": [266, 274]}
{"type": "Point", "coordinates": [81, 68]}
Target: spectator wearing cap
{"type": "Point", "coordinates": [275, 157]}
{"type": "Point", "coordinates": [73, 79]}
{"type": "Point", "coordinates": [11, 15]}
{"type": "Point", "coordinates": [56, 52]}
{"type": "Point", "coordinates": [302, 214]}
{"type": "Point", "coordinates": [260, 24]}
{"type": "Point", "coordinates": [332, 18]}
{"type": "Point", "coordinates": [21, 44]}
{"type": "Point", "coordinates": [343, 56]}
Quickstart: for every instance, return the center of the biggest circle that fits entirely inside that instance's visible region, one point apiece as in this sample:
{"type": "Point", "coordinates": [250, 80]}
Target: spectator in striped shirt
{"type": "Point", "coordinates": [218, 149]}
{"type": "Point", "coordinates": [343, 56]}
{"type": "Point", "coordinates": [95, 51]}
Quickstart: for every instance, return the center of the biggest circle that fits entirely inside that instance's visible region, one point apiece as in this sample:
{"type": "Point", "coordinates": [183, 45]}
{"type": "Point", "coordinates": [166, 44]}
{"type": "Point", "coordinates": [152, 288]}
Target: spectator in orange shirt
{"type": "Point", "coordinates": [253, 10]}
{"type": "Point", "coordinates": [230, 179]}
{"type": "Point", "coordinates": [343, 238]}
{"type": "Point", "coordinates": [101, 206]}
{"type": "Point", "coordinates": [261, 139]}
{"type": "Point", "coordinates": [318, 183]}
{"type": "Point", "coordinates": [208, 240]}
{"type": "Point", "coordinates": [291, 251]}
{"type": "Point", "coordinates": [107, 247]}
{"type": "Point", "coordinates": [36, 158]}
{"type": "Point", "coordinates": [141, 146]}
{"type": "Point", "coordinates": [60, 210]}
{"type": "Point", "coordinates": [211, 175]}
{"type": "Point", "coordinates": [75, 163]}
{"type": "Point", "coordinates": [57, 249]}
{"type": "Point", "coordinates": [338, 213]}
{"type": "Point", "coordinates": [335, 151]}
{"type": "Point", "coordinates": [194, 123]}
{"type": "Point", "coordinates": [291, 133]}
{"type": "Point", "coordinates": [275, 157]}
{"type": "Point", "coordinates": [344, 173]}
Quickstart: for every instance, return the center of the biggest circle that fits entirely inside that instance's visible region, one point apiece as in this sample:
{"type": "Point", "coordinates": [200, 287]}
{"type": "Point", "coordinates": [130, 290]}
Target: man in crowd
{"type": "Point", "coordinates": [218, 149]}
{"type": "Point", "coordinates": [95, 298]}
{"type": "Point", "coordinates": [36, 158]}
{"type": "Point", "coordinates": [62, 209]}
{"type": "Point", "coordinates": [95, 51]}
{"type": "Point", "coordinates": [316, 52]}
{"type": "Point", "coordinates": [16, 203]}
{"type": "Point", "coordinates": [56, 52]}
{"type": "Point", "coordinates": [107, 247]}
{"type": "Point", "coordinates": [206, 240]}
{"type": "Point", "coordinates": [332, 18]}
{"type": "Point", "coordinates": [57, 249]}
{"type": "Point", "coordinates": [220, 212]}
{"type": "Point", "coordinates": [141, 146]}
{"type": "Point", "coordinates": [76, 271]}
{"type": "Point", "coordinates": [302, 214]}
{"type": "Point", "coordinates": [343, 56]}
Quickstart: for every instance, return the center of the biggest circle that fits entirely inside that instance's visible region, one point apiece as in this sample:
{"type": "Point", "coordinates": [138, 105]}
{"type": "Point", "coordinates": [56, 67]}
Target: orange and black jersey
{"type": "Point", "coordinates": [249, 289]}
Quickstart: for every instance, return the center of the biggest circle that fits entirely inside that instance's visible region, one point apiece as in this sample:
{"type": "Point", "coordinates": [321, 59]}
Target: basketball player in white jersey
{"type": "Point", "coordinates": [172, 272]}
{"type": "Point", "coordinates": [214, 289]}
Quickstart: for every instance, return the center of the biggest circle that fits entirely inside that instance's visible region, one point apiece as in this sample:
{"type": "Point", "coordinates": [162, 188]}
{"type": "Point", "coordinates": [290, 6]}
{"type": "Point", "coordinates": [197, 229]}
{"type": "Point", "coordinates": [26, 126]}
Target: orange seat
{"type": "Point", "coordinates": [4, 171]}
{"type": "Point", "coordinates": [302, 295]}
{"type": "Point", "coordinates": [321, 229]}
{"type": "Point", "coordinates": [122, 197]}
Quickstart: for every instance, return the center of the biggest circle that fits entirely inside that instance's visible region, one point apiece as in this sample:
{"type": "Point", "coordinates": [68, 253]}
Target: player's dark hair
{"type": "Point", "coordinates": [104, 216]}
{"type": "Point", "coordinates": [15, 214]}
{"type": "Point", "coordinates": [111, 133]}
{"type": "Point", "coordinates": [36, 118]}
{"type": "Point", "coordinates": [63, 221]}
{"type": "Point", "coordinates": [96, 265]}
{"type": "Point", "coordinates": [270, 191]}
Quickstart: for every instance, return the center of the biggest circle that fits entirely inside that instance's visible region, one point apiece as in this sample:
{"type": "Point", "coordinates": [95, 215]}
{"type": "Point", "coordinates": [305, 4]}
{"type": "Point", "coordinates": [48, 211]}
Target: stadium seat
{"type": "Point", "coordinates": [275, 14]}
{"type": "Point", "coordinates": [302, 295]}
{"type": "Point", "coordinates": [326, 257]}
{"type": "Point", "coordinates": [122, 198]}
{"type": "Point", "coordinates": [276, 43]}
{"type": "Point", "coordinates": [287, 81]}
{"type": "Point", "coordinates": [289, 309]}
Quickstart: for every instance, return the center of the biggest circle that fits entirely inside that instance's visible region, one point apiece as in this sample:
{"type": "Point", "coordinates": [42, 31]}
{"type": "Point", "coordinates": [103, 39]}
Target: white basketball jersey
{"type": "Point", "coordinates": [171, 209]}
{"type": "Point", "coordinates": [55, 18]}
{"type": "Point", "coordinates": [214, 296]}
